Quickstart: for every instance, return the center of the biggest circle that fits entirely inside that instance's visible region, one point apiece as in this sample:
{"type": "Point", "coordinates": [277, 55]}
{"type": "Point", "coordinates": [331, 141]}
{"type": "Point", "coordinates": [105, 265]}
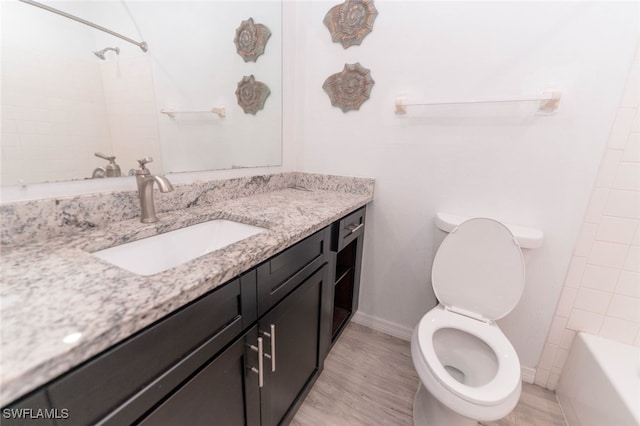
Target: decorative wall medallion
{"type": "Point", "coordinates": [349, 88]}
{"type": "Point", "coordinates": [351, 21]}
{"type": "Point", "coordinates": [251, 39]}
{"type": "Point", "coordinates": [252, 94]}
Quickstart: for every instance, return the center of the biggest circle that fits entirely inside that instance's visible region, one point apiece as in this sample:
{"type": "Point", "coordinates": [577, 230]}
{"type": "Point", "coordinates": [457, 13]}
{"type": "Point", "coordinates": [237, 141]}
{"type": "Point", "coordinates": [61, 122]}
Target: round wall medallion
{"type": "Point", "coordinates": [252, 94]}
{"type": "Point", "coordinates": [351, 21]}
{"type": "Point", "coordinates": [349, 88]}
{"type": "Point", "coordinates": [251, 39]}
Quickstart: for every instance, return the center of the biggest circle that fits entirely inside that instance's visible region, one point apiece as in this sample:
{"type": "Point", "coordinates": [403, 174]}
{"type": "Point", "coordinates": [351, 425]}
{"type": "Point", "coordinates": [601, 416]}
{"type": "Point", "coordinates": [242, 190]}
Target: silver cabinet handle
{"type": "Point", "coordinates": [353, 228]}
{"type": "Point", "coordinates": [272, 337]}
{"type": "Point", "coordinates": [260, 369]}
{"type": "Point", "coordinates": [273, 347]}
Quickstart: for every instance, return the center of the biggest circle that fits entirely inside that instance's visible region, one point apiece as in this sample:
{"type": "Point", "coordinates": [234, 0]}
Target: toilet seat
{"type": "Point", "coordinates": [478, 270]}
{"type": "Point", "coordinates": [507, 377]}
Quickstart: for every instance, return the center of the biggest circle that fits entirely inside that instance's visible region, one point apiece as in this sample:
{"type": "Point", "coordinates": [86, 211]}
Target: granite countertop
{"type": "Point", "coordinates": [55, 288]}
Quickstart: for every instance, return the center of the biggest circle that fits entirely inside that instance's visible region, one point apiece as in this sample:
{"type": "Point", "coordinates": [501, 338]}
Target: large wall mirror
{"type": "Point", "coordinates": [62, 103]}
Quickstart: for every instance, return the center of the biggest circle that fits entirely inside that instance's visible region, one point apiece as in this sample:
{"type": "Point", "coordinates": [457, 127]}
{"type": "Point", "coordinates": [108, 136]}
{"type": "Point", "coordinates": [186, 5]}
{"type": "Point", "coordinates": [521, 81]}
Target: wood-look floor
{"type": "Point", "coordinates": [369, 379]}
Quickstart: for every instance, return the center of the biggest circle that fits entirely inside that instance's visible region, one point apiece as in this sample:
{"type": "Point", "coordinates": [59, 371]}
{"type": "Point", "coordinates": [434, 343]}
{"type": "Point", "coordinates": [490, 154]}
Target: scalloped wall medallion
{"type": "Point", "coordinates": [251, 40]}
{"type": "Point", "coordinates": [349, 88]}
{"type": "Point", "coordinates": [351, 21]}
{"type": "Point", "coordinates": [252, 94]}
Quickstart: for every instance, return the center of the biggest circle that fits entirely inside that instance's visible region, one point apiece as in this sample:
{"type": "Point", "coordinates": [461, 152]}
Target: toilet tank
{"type": "Point", "coordinates": [527, 238]}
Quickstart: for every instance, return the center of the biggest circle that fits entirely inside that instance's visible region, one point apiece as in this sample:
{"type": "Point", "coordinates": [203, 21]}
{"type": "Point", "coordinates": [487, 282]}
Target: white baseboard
{"type": "Point", "coordinates": [528, 374]}
{"type": "Point", "coordinates": [382, 325]}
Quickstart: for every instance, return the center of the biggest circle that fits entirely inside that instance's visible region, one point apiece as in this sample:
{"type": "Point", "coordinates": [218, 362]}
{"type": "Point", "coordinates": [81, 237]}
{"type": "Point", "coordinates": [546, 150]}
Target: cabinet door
{"type": "Point", "coordinates": [295, 324]}
{"type": "Point", "coordinates": [225, 392]}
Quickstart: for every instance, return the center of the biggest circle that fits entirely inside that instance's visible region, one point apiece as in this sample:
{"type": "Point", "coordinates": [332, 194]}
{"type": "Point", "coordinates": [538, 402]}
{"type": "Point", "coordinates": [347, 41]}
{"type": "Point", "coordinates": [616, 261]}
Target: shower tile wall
{"type": "Point", "coordinates": [601, 293]}
{"type": "Point", "coordinates": [131, 109]}
{"type": "Point", "coordinates": [50, 103]}
{"type": "Point", "coordinates": [61, 104]}
{"type": "Point", "coordinates": [67, 109]}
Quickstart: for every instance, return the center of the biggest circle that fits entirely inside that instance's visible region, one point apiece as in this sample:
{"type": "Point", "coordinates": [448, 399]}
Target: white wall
{"type": "Point", "coordinates": [196, 67]}
{"type": "Point", "coordinates": [503, 161]}
{"type": "Point", "coordinates": [601, 293]}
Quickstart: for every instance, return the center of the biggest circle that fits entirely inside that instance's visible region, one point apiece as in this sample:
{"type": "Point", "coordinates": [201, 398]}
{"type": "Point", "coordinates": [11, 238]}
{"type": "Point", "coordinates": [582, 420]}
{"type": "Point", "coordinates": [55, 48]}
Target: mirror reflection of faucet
{"type": "Point", "coordinates": [145, 181]}
{"type": "Point", "coordinates": [110, 170]}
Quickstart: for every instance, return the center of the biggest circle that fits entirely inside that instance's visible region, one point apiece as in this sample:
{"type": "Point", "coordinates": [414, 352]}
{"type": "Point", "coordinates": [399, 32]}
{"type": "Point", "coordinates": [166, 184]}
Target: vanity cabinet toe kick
{"type": "Point", "coordinates": [246, 353]}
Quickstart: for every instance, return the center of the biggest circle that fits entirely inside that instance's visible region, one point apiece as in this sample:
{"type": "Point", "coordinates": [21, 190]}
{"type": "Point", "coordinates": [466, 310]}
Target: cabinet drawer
{"type": "Point", "coordinates": [284, 272]}
{"type": "Point", "coordinates": [347, 229]}
{"type": "Point", "coordinates": [106, 382]}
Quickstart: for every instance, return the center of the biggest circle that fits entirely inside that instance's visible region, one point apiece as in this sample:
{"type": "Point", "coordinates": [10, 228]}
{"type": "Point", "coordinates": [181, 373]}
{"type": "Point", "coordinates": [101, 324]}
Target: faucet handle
{"type": "Point", "coordinates": [144, 161]}
{"type": "Point", "coordinates": [143, 171]}
{"type": "Point", "coordinates": [105, 156]}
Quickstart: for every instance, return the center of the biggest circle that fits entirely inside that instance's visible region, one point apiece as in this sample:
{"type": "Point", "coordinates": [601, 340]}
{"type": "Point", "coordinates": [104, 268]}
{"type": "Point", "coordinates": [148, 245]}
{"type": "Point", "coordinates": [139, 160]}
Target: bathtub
{"type": "Point", "coordinates": [600, 383]}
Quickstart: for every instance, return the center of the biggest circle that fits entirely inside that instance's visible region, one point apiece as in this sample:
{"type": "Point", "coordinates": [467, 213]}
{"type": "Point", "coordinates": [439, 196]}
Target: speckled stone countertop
{"type": "Point", "coordinates": [53, 288]}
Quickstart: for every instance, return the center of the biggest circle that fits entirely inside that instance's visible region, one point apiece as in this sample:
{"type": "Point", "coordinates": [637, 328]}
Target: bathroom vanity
{"type": "Point", "coordinates": [247, 349]}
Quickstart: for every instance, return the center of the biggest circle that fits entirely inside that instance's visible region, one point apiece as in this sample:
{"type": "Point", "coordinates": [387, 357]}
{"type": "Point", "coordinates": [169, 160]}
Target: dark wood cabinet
{"type": "Point", "coordinates": [295, 324]}
{"type": "Point", "coordinates": [278, 276]}
{"type": "Point", "coordinates": [224, 392]}
{"type": "Point", "coordinates": [245, 354]}
{"type": "Point", "coordinates": [346, 243]}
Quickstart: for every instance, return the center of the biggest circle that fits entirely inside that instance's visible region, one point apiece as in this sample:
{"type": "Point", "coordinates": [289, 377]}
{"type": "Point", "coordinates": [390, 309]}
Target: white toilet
{"type": "Point", "coordinates": [468, 369]}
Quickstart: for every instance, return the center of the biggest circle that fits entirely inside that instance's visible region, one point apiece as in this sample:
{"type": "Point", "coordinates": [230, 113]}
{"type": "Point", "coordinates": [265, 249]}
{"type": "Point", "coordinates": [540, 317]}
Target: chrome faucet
{"type": "Point", "coordinates": [145, 181]}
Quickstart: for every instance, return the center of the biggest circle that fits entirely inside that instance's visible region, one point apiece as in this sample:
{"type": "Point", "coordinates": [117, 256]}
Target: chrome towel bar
{"type": "Point", "coordinates": [548, 102]}
{"type": "Point", "coordinates": [220, 111]}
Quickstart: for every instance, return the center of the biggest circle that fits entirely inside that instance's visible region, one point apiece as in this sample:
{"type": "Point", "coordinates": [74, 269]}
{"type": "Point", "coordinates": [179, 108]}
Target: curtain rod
{"type": "Point", "coordinates": [142, 45]}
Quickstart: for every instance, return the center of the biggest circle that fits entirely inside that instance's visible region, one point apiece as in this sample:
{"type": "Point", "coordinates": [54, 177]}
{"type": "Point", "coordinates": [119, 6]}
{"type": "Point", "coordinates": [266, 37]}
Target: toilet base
{"type": "Point", "coordinates": [428, 411]}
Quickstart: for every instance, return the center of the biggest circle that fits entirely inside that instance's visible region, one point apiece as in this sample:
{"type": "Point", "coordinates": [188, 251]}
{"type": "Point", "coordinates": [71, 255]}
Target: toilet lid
{"type": "Point", "coordinates": [479, 269]}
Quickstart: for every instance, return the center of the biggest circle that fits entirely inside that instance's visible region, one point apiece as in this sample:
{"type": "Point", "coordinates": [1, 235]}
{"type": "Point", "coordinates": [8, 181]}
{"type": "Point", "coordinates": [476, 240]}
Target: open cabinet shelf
{"type": "Point", "coordinates": [347, 244]}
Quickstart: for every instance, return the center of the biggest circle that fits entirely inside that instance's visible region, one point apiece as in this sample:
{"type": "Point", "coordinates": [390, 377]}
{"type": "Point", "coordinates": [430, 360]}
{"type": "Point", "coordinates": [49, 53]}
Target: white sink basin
{"type": "Point", "coordinates": [165, 251]}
